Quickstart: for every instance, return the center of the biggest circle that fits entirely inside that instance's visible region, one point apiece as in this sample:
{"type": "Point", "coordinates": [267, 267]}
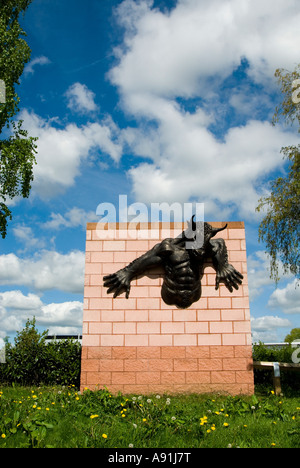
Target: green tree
{"type": "Point", "coordinates": [33, 360]}
{"type": "Point", "coordinates": [25, 358]}
{"type": "Point", "coordinates": [17, 149]}
{"type": "Point", "coordinates": [279, 228]}
{"type": "Point", "coordinates": [293, 335]}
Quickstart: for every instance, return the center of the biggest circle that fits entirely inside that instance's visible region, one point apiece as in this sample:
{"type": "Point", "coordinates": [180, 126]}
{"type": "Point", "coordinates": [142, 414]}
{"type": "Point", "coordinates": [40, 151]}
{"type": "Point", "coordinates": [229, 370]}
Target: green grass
{"type": "Point", "coordinates": [60, 417]}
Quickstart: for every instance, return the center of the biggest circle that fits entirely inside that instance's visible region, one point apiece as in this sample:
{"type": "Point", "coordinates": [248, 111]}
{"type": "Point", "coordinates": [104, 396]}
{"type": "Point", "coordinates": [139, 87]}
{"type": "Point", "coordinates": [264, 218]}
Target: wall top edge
{"type": "Point", "coordinates": [159, 225]}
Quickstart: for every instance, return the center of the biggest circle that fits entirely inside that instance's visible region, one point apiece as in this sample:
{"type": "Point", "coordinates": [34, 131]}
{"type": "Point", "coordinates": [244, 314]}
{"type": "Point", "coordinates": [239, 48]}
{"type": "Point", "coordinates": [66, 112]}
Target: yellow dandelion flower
{"type": "Point", "coordinates": [225, 424]}
{"type": "Point", "coordinates": [47, 409]}
{"type": "Point", "coordinates": [94, 416]}
{"type": "Point", "coordinates": [104, 436]}
{"type": "Point", "coordinates": [273, 444]}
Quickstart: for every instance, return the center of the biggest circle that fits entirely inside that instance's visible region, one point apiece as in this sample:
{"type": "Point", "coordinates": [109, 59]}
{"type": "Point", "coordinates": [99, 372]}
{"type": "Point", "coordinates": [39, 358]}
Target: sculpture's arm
{"type": "Point", "coordinates": [224, 271]}
{"type": "Point", "coordinates": [121, 279]}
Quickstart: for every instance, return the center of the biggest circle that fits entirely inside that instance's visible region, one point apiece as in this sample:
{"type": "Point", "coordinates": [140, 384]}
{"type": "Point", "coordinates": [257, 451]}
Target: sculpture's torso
{"type": "Point", "coordinates": [181, 286]}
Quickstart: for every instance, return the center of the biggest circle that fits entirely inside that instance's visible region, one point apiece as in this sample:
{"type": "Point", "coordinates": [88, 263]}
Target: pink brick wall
{"type": "Point", "coordinates": [142, 345]}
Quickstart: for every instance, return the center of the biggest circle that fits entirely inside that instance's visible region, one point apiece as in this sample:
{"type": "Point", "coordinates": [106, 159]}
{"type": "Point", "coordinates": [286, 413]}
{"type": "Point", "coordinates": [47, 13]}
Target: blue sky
{"type": "Point", "coordinates": [162, 101]}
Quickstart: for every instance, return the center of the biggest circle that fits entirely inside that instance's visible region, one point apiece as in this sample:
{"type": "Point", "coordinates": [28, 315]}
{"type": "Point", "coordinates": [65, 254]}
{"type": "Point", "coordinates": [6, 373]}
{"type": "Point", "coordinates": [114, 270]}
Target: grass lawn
{"type": "Point", "coordinates": [61, 417]}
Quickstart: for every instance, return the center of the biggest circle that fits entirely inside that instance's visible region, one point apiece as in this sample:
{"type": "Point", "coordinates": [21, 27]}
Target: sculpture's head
{"type": "Point", "coordinates": [198, 235]}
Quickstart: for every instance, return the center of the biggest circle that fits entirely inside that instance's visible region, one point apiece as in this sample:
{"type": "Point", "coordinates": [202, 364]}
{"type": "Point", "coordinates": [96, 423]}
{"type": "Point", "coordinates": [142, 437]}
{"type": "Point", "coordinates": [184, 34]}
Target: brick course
{"type": "Point", "coordinates": [142, 345]}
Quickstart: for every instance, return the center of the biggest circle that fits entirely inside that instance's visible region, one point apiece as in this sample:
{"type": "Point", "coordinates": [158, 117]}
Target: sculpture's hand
{"type": "Point", "coordinates": [118, 281]}
{"type": "Point", "coordinates": [230, 276]}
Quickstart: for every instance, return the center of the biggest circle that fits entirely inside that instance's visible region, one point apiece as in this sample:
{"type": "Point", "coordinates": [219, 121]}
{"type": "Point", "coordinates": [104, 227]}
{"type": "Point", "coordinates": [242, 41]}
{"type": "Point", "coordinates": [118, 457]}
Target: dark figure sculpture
{"type": "Point", "coordinates": [183, 260]}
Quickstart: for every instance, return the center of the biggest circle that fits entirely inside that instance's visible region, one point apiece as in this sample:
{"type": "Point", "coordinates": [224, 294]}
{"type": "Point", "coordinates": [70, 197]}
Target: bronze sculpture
{"type": "Point", "coordinates": [183, 261]}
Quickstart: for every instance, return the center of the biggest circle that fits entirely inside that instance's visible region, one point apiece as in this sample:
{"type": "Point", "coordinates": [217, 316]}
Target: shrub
{"type": "Point", "coordinates": [32, 361]}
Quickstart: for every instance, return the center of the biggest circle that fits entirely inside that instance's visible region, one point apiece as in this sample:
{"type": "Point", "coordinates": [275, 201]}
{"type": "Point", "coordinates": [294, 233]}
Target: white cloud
{"type": "Point", "coordinates": [72, 218]}
{"type": "Point", "coordinates": [268, 322]}
{"type": "Point", "coordinates": [17, 300]}
{"type": "Point", "coordinates": [187, 53]}
{"type": "Point", "coordinates": [81, 99]}
{"type": "Point", "coordinates": [25, 235]}
{"type": "Point", "coordinates": [177, 53]}
{"type": "Point", "coordinates": [188, 161]}
{"type": "Point", "coordinates": [265, 328]}
{"type": "Point", "coordinates": [287, 299]}
{"type": "Point", "coordinates": [258, 265]}
{"type": "Point", "coordinates": [66, 314]}
{"type": "Point", "coordinates": [61, 150]}
{"type": "Point", "coordinates": [11, 323]}
{"type": "Point", "coordinates": [45, 271]}
{"type": "Point", "coordinates": [59, 318]}
{"type": "Point", "coordinates": [29, 68]}
{"type": "Point", "coordinates": [15, 308]}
